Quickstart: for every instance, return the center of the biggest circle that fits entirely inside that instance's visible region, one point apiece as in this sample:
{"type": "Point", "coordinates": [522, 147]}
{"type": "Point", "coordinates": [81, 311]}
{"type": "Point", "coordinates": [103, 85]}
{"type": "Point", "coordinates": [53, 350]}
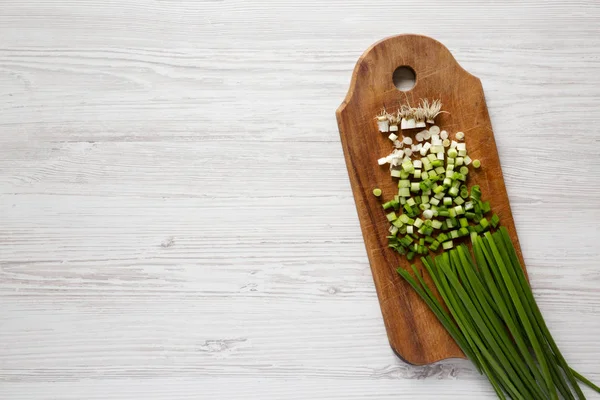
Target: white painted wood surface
{"type": "Point", "coordinates": [176, 220]}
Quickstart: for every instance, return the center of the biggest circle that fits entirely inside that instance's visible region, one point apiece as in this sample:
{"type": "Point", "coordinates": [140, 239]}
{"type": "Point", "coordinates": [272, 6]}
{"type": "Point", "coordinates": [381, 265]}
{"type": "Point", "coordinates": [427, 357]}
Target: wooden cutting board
{"type": "Point", "coordinates": [413, 331]}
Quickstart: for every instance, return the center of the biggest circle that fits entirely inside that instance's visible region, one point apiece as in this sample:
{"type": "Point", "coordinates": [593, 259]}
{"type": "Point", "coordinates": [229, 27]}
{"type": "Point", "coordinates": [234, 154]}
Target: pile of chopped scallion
{"type": "Point", "coordinates": [433, 205]}
{"type": "Point", "coordinates": [484, 302]}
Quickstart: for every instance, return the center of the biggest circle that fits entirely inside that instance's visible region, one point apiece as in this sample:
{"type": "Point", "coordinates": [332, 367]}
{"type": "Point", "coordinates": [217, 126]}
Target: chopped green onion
{"type": "Point", "coordinates": [459, 210]}
{"type": "Point", "coordinates": [495, 220]}
{"type": "Point", "coordinates": [432, 186]}
{"type": "Point", "coordinates": [404, 192]}
{"type": "Point", "coordinates": [463, 232]}
{"type": "Point", "coordinates": [377, 192]}
{"type": "Point", "coordinates": [436, 224]}
{"type": "Point", "coordinates": [390, 204]}
{"type": "Point", "coordinates": [407, 166]}
{"type": "Point", "coordinates": [448, 244]}
{"type": "Point", "coordinates": [484, 223]}
{"type": "Point", "coordinates": [475, 192]}
{"type": "Point", "coordinates": [485, 207]}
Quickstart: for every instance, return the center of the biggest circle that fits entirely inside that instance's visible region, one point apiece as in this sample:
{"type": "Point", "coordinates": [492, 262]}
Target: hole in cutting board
{"type": "Point", "coordinates": [404, 78]}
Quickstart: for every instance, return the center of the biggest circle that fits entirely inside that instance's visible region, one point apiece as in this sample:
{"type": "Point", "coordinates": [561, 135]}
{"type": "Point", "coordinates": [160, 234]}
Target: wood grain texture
{"type": "Point", "coordinates": [413, 331]}
{"type": "Point", "coordinates": [152, 246]}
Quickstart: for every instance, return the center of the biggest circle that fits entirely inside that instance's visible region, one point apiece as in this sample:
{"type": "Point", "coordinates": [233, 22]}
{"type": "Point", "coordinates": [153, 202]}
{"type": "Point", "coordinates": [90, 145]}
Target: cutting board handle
{"type": "Point", "coordinates": [373, 74]}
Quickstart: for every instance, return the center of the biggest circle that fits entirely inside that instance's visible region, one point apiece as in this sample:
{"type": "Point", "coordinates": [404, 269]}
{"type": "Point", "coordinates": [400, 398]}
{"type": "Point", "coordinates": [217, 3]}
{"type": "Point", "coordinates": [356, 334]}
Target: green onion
{"type": "Point", "coordinates": [526, 290]}
{"type": "Point", "coordinates": [495, 220]}
{"type": "Point", "coordinates": [390, 204]}
{"type": "Point", "coordinates": [448, 245]}
{"type": "Point", "coordinates": [441, 172]}
{"type": "Point", "coordinates": [482, 317]}
{"type": "Point", "coordinates": [404, 192]}
{"type": "Point", "coordinates": [488, 309]}
{"type": "Point", "coordinates": [475, 326]}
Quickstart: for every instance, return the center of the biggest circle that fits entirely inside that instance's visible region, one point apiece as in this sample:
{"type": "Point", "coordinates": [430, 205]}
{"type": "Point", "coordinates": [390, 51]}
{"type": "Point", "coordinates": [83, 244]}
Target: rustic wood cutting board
{"type": "Point", "coordinates": [413, 331]}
